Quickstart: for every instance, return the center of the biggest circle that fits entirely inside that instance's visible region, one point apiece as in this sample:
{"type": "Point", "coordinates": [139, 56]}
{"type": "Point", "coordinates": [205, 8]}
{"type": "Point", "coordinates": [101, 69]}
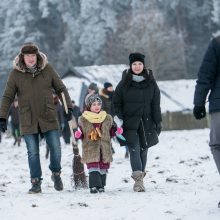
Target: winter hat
{"type": "Point", "coordinates": [91, 98]}
{"type": "Point", "coordinates": [93, 86]}
{"type": "Point", "coordinates": [133, 57]}
{"type": "Point", "coordinates": [29, 48]}
{"type": "Point", "coordinates": [107, 85]}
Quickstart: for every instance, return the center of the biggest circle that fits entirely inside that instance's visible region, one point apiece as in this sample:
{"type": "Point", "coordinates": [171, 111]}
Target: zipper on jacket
{"type": "Point", "coordinates": [144, 131]}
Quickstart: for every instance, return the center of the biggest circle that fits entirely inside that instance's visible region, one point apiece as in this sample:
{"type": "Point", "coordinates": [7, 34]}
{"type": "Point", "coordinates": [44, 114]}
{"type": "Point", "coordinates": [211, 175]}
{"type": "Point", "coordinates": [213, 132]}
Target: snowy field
{"type": "Point", "coordinates": [181, 184]}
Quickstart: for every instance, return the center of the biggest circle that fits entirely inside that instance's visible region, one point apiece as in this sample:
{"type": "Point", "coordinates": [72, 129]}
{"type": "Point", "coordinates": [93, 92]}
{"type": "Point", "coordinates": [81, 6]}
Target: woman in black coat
{"type": "Point", "coordinates": [137, 105]}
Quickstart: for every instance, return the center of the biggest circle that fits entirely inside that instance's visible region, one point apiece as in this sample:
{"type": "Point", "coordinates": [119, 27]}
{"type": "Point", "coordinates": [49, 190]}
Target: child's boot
{"type": "Point", "coordinates": [95, 181]}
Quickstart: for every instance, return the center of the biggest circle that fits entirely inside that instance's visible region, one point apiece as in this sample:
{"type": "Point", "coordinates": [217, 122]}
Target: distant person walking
{"type": "Point", "coordinates": [137, 105]}
{"type": "Point", "coordinates": [106, 94]}
{"type": "Point", "coordinates": [208, 82]}
{"type": "Point", "coordinates": [76, 111]}
{"type": "Point", "coordinates": [92, 89]}
{"type": "Point", "coordinates": [33, 79]}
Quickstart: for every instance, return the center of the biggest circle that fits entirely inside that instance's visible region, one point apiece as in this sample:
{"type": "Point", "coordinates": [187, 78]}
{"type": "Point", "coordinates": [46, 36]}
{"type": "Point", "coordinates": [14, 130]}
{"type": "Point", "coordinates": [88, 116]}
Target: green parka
{"type": "Point", "coordinates": [34, 92]}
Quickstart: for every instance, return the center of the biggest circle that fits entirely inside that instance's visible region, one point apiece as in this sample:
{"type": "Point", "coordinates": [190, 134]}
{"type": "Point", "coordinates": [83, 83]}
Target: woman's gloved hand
{"type": "Point", "coordinates": [118, 121]}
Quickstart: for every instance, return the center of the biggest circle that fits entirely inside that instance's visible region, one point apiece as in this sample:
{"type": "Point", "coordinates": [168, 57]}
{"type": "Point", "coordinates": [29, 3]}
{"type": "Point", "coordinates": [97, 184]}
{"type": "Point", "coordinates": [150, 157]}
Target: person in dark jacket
{"type": "Point", "coordinates": [106, 95]}
{"type": "Point", "coordinates": [92, 89]}
{"type": "Point", "coordinates": [33, 80]}
{"type": "Point", "coordinates": [137, 107]}
{"type": "Point", "coordinates": [14, 113]}
{"type": "Point", "coordinates": [208, 82]}
{"type": "Point", "coordinates": [76, 111]}
{"type": "Point", "coordinates": [74, 121]}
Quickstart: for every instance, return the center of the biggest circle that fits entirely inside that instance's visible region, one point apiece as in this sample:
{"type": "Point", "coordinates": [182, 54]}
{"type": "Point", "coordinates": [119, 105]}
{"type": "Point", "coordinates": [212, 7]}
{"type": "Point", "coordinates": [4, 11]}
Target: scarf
{"type": "Point", "coordinates": [94, 117]}
{"type": "Point", "coordinates": [33, 70]}
{"type": "Point", "coordinates": [110, 95]}
{"type": "Point", "coordinates": [137, 78]}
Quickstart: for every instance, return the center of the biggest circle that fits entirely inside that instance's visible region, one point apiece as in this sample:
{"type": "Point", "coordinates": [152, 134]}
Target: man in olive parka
{"type": "Point", "coordinates": [33, 80]}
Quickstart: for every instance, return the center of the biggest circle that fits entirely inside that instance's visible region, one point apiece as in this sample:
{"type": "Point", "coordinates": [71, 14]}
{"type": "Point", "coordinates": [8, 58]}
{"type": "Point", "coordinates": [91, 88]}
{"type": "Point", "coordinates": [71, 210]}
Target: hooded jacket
{"type": "Point", "coordinates": [35, 95]}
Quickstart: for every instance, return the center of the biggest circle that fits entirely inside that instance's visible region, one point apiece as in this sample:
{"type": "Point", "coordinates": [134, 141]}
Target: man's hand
{"type": "Point", "coordinates": [3, 125]}
{"type": "Point", "coordinates": [69, 115]}
{"type": "Point", "coordinates": [199, 112]}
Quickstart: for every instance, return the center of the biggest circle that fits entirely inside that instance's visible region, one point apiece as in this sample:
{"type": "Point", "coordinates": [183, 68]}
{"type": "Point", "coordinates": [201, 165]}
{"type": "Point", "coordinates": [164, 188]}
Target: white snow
{"type": "Point", "coordinates": [182, 156]}
{"type": "Point", "coordinates": [180, 91]}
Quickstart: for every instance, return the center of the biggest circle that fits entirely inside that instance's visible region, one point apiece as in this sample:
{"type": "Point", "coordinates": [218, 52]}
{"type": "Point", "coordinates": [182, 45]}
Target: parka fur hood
{"type": "Point", "coordinates": [102, 92]}
{"type": "Point", "coordinates": [18, 62]}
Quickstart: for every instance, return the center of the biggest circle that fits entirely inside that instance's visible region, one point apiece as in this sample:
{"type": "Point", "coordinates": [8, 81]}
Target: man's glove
{"type": "Point", "coordinates": [69, 115]}
{"type": "Point", "coordinates": [199, 112]}
{"type": "Point", "coordinates": [3, 125]}
{"type": "Point", "coordinates": [158, 128]}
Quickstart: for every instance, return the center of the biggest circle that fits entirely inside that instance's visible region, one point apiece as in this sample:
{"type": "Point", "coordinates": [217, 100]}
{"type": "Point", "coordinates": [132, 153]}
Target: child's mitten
{"type": "Point", "coordinates": [119, 130]}
{"type": "Point", "coordinates": [77, 134]}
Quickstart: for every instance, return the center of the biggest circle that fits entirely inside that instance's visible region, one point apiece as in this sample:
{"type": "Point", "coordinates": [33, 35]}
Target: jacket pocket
{"type": "Point", "coordinates": [151, 137]}
{"type": "Point", "coordinates": [25, 116]}
{"type": "Point", "coordinates": [50, 112]}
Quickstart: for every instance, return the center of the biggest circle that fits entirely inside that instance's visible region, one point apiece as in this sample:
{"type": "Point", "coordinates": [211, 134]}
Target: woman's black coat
{"type": "Point", "coordinates": [138, 104]}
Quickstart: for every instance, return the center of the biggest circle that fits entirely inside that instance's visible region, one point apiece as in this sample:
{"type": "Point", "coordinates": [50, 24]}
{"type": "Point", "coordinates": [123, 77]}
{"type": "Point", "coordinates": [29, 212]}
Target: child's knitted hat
{"type": "Point", "coordinates": [91, 98]}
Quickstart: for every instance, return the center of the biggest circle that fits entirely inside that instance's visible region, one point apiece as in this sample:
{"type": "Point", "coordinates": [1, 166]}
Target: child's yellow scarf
{"type": "Point", "coordinates": [95, 117]}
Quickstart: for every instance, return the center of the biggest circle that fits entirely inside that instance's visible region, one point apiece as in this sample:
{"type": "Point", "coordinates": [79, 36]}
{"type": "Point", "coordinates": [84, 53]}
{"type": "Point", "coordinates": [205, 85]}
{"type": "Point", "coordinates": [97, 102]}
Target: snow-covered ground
{"type": "Point", "coordinates": [181, 183]}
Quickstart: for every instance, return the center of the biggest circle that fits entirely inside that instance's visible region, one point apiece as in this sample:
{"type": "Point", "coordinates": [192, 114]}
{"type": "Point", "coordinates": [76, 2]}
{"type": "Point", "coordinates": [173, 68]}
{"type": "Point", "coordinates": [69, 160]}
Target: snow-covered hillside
{"type": "Point", "coordinates": [181, 183]}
